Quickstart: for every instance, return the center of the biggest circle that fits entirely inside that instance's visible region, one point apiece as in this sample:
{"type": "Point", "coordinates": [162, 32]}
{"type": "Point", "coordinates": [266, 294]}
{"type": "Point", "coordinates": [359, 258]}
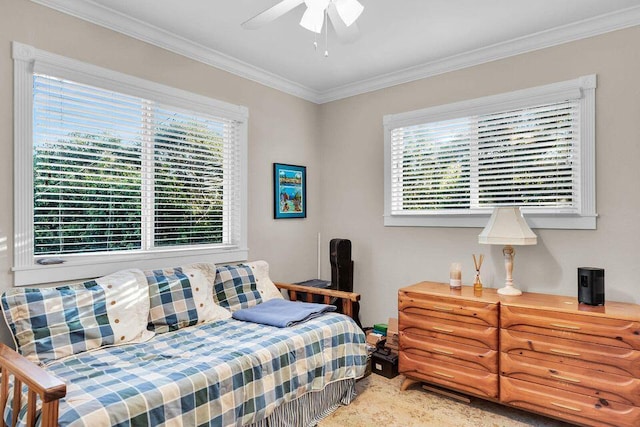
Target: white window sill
{"type": "Point", "coordinates": [91, 266]}
{"type": "Point", "coordinates": [557, 221]}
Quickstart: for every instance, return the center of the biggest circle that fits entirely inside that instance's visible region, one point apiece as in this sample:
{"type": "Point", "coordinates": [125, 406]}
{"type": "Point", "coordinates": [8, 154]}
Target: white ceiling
{"type": "Point", "coordinates": [401, 40]}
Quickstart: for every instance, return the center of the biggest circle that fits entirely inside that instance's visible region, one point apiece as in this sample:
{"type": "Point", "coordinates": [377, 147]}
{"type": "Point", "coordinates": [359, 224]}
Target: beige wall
{"type": "Point", "coordinates": [341, 143]}
{"type": "Point", "coordinates": [282, 128]}
{"type": "Point", "coordinates": [387, 258]}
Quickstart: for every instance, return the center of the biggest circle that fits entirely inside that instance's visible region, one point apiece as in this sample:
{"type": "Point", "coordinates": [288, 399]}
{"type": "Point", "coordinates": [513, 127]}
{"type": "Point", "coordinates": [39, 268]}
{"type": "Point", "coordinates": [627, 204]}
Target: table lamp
{"type": "Point", "coordinates": [507, 227]}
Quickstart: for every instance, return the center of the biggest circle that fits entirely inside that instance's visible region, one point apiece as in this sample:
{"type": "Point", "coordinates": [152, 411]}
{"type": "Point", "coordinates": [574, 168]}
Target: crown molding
{"type": "Point", "coordinates": [108, 18]}
{"type": "Point", "coordinates": [579, 30]}
{"type": "Point", "coordinates": [105, 17]}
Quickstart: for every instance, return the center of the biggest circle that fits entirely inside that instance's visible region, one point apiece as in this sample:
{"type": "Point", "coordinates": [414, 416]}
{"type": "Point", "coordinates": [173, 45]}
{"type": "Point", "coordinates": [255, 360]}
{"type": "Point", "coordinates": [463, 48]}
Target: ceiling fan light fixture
{"type": "Point", "coordinates": [349, 10]}
{"type": "Point", "coordinates": [316, 17]}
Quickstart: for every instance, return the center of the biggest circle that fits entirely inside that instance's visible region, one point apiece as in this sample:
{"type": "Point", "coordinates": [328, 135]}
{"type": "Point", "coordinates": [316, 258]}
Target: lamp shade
{"type": "Point", "coordinates": [507, 227]}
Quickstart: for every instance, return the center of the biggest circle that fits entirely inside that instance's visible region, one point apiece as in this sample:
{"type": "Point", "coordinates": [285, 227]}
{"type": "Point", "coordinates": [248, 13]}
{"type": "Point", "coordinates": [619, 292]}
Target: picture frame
{"type": "Point", "coordinates": [289, 191]}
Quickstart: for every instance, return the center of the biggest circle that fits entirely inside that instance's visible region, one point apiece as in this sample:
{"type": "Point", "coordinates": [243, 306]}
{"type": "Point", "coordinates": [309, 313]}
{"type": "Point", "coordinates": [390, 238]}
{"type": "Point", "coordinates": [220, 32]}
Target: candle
{"type": "Point", "coordinates": [455, 275]}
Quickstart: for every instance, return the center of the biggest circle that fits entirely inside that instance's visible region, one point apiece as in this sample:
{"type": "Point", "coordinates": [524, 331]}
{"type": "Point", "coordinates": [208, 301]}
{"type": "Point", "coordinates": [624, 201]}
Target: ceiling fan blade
{"type": "Point", "coordinates": [345, 34]}
{"type": "Point", "coordinates": [313, 19]}
{"type": "Point", "coordinates": [271, 14]}
{"type": "Point", "coordinates": [349, 10]}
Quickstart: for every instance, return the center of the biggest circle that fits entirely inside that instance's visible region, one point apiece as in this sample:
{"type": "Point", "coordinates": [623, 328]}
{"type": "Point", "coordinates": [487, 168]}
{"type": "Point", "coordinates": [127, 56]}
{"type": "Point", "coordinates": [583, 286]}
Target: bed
{"type": "Point", "coordinates": [223, 372]}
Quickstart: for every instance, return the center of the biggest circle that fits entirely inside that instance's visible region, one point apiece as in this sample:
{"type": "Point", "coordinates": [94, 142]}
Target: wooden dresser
{"type": "Point", "coordinates": [543, 353]}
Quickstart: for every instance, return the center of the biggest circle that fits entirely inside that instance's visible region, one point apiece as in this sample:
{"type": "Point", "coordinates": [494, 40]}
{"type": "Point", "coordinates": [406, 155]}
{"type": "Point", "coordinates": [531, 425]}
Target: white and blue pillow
{"type": "Point", "coordinates": [181, 297]}
{"type": "Point", "coordinates": [235, 287]}
{"type": "Point", "coordinates": [264, 285]}
{"type": "Point", "coordinates": [51, 323]}
{"type": "Point", "coordinates": [202, 277]}
{"type": "Point", "coordinates": [171, 300]}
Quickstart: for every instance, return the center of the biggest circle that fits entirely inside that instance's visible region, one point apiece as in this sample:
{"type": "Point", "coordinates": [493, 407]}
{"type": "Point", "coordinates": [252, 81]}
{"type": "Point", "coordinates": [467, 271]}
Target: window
{"type": "Point", "coordinates": [115, 169]}
{"type": "Point", "coordinates": [451, 165]}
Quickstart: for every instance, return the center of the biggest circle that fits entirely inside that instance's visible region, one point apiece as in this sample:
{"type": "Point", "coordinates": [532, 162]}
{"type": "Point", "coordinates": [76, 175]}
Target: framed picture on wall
{"type": "Point", "coordinates": [290, 191]}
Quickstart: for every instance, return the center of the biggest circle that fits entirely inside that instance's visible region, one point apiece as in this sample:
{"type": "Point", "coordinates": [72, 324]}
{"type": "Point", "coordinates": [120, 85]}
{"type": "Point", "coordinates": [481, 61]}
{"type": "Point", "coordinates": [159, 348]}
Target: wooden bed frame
{"type": "Point", "coordinates": [50, 389]}
{"type": "Point", "coordinates": [346, 298]}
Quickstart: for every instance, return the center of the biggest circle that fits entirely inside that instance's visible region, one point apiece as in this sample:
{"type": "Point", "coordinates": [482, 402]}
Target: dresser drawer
{"type": "Point", "coordinates": [591, 382]}
{"type": "Point", "coordinates": [600, 330]}
{"type": "Point", "coordinates": [614, 360]}
{"type": "Point", "coordinates": [574, 407]}
{"type": "Point", "coordinates": [476, 312]}
{"type": "Point", "coordinates": [437, 349]}
{"type": "Point", "coordinates": [464, 333]}
{"type": "Point", "coordinates": [473, 381]}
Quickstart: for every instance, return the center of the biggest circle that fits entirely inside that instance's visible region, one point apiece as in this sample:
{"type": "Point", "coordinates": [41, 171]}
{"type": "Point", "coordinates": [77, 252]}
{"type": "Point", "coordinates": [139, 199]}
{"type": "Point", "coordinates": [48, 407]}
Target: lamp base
{"type": "Point", "coordinates": [508, 252]}
{"type": "Point", "coordinates": [509, 290]}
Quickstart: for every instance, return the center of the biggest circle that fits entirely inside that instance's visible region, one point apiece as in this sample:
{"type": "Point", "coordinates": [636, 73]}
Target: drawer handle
{"type": "Point", "coordinates": [563, 378]}
{"type": "Point", "coordinates": [571, 408]}
{"type": "Point", "coordinates": [563, 352]}
{"type": "Point", "coordinates": [437, 350]}
{"type": "Point", "coordinates": [437, 328]}
{"type": "Point", "coordinates": [560, 325]}
{"type": "Point", "coordinates": [442, 374]}
{"type": "Point", "coordinates": [442, 308]}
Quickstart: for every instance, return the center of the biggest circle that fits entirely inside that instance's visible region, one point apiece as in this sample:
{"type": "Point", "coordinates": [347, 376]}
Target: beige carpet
{"type": "Point", "coordinates": [381, 403]}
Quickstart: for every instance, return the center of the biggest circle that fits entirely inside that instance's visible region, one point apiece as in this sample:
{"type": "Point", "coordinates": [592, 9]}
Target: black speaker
{"type": "Point", "coordinates": [591, 285]}
{"type": "Point", "coordinates": [341, 264]}
{"type": "Point", "coordinates": [342, 271]}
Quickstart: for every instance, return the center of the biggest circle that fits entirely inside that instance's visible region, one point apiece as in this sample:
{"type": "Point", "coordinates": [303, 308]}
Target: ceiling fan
{"type": "Point", "coordinates": [341, 13]}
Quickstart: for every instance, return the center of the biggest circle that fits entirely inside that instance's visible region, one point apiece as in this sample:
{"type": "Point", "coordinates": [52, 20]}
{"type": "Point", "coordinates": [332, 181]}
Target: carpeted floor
{"type": "Point", "coordinates": [381, 403]}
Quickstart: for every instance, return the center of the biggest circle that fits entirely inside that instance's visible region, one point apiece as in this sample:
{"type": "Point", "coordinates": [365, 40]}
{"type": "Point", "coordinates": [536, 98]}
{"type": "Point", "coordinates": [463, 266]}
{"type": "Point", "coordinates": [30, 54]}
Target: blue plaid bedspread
{"type": "Point", "coordinates": [226, 373]}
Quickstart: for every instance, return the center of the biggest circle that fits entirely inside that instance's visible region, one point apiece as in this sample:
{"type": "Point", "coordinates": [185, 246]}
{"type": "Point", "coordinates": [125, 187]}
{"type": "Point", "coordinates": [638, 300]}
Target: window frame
{"type": "Point", "coordinates": [581, 89]}
{"type": "Point", "coordinates": [28, 60]}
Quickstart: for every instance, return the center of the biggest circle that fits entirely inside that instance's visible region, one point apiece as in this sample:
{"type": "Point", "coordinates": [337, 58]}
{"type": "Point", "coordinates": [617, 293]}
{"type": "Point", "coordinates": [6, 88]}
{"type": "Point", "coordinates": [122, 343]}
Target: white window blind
{"type": "Point", "coordinates": [451, 165]}
{"type": "Point", "coordinates": [196, 164]}
{"type": "Point", "coordinates": [526, 157]}
{"type": "Point", "coordinates": [114, 172]}
{"type": "Point", "coordinates": [87, 168]}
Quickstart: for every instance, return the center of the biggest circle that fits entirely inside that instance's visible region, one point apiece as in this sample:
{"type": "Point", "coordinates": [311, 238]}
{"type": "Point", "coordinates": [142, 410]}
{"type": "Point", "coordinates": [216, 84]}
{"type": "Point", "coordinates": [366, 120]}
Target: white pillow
{"type": "Point", "coordinates": [264, 284]}
{"type": "Point", "coordinates": [127, 295]}
{"type": "Point", "coordinates": [202, 277]}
